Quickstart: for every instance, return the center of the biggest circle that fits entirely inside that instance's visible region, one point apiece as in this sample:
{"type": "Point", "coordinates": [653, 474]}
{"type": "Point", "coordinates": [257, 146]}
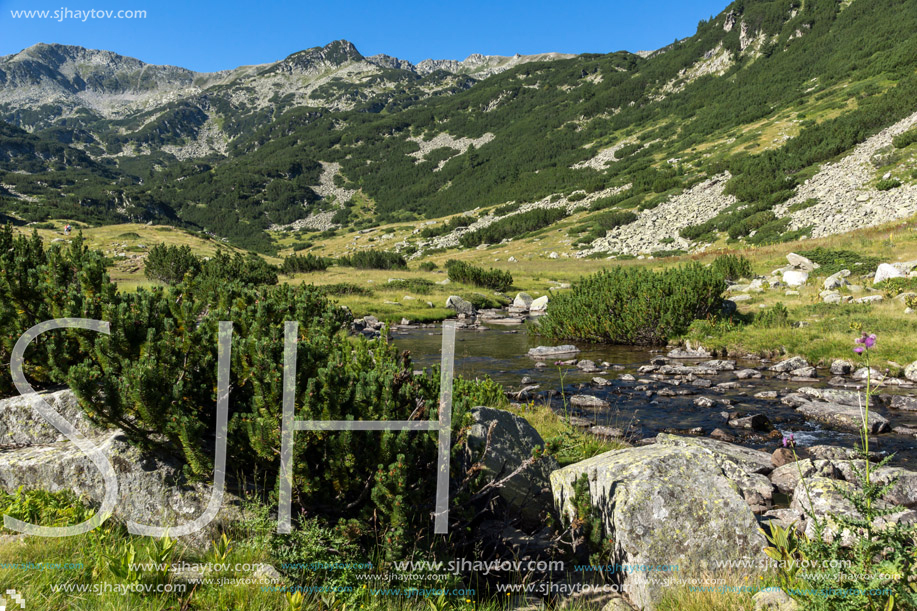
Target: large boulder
{"type": "Point", "coordinates": [886, 271]}
{"type": "Point", "coordinates": [522, 301]}
{"type": "Point", "coordinates": [836, 281]}
{"type": "Point", "coordinates": [662, 504]}
{"type": "Point", "coordinates": [540, 304]}
{"type": "Point", "coordinates": [795, 277]}
{"type": "Point", "coordinates": [801, 262]}
{"type": "Point", "coordinates": [454, 302]}
{"type": "Point", "coordinates": [843, 417]}
{"type": "Point", "coordinates": [501, 442]}
{"type": "Point", "coordinates": [750, 460]}
{"type": "Point", "coordinates": [152, 489]}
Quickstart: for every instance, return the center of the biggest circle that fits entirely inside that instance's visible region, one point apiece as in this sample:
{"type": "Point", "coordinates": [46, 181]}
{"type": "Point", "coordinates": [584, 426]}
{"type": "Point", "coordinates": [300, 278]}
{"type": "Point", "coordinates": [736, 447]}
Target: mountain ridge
{"type": "Point", "coordinates": [763, 94]}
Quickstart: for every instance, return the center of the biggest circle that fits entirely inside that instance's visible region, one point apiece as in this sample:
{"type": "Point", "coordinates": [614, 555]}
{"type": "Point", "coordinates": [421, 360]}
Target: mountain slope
{"type": "Point", "coordinates": [702, 141]}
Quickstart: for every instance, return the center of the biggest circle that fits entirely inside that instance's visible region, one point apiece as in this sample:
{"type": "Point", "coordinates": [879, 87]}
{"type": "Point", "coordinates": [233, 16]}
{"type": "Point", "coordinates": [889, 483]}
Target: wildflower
{"type": "Point", "coordinates": [864, 342]}
{"type": "Point", "coordinates": [789, 441]}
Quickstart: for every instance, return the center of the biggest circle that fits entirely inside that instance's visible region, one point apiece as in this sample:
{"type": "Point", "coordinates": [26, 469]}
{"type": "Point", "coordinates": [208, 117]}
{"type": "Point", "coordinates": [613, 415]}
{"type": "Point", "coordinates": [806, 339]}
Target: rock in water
{"type": "Point", "coordinates": [523, 301]}
{"type": "Point", "coordinates": [843, 417]}
{"type": "Point", "coordinates": [540, 304]}
{"type": "Point", "coordinates": [460, 306]}
{"type": "Point", "coordinates": [548, 352]}
{"type": "Point", "coordinates": [645, 495]}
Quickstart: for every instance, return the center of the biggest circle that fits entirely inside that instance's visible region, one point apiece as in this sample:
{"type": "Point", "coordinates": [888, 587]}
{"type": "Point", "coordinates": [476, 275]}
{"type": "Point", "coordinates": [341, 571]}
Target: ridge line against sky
{"type": "Point", "coordinates": [209, 36]}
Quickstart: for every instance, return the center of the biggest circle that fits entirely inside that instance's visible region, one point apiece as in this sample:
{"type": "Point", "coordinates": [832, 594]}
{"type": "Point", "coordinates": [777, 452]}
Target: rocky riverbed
{"type": "Point", "coordinates": [635, 393]}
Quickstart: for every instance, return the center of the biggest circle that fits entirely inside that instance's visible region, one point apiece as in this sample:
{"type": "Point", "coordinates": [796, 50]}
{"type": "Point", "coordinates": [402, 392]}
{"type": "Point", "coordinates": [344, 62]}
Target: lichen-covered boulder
{"type": "Point", "coordinates": [664, 504]}
{"type": "Point", "coordinates": [509, 440]}
{"type": "Point", "coordinates": [151, 488]}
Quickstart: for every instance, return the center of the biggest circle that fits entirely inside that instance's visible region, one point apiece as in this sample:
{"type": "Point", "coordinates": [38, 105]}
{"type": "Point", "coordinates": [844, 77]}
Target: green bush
{"type": "Point", "coordinates": [248, 269]}
{"type": "Point", "coordinates": [610, 220]}
{"type": "Point", "coordinates": [906, 139]}
{"type": "Point", "coordinates": [634, 305]}
{"type": "Point", "coordinates": [421, 286]}
{"type": "Point", "coordinates": [513, 226]}
{"type": "Point", "coordinates": [298, 264]}
{"type": "Point", "coordinates": [465, 273]}
{"type": "Point", "coordinates": [344, 288]}
{"type": "Point", "coordinates": [154, 377]}
{"type": "Point", "coordinates": [732, 267]}
{"type": "Point", "coordinates": [428, 266]}
{"type": "Point", "coordinates": [888, 184]}
{"type": "Point", "coordinates": [775, 316]}
{"type": "Point", "coordinates": [374, 259]}
{"type": "Point", "coordinates": [832, 261]}
{"type": "Point", "coordinates": [170, 264]}
{"type": "Point", "coordinates": [449, 226]}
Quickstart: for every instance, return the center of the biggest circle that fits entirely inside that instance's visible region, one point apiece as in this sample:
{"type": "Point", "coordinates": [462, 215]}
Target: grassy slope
{"type": "Point", "coordinates": [827, 336]}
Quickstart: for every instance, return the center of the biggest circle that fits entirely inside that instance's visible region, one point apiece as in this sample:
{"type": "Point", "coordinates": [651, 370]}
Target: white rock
{"type": "Point", "coordinates": [801, 262]}
{"type": "Point", "coordinates": [795, 277]}
{"type": "Point", "coordinates": [523, 300]}
{"type": "Point", "coordinates": [539, 304]}
{"type": "Point", "coordinates": [886, 271]}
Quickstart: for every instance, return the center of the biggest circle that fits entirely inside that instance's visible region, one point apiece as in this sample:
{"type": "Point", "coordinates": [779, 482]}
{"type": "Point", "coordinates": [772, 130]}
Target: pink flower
{"type": "Point", "coordinates": [866, 341]}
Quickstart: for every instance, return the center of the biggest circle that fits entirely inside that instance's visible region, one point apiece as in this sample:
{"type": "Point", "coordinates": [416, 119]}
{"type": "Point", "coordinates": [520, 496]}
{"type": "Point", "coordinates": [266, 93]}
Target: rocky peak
{"type": "Point", "coordinates": [318, 59]}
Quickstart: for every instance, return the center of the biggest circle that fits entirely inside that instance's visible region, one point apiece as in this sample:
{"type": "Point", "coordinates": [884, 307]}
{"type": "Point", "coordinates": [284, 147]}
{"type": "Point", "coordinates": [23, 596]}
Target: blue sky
{"type": "Point", "coordinates": [207, 36]}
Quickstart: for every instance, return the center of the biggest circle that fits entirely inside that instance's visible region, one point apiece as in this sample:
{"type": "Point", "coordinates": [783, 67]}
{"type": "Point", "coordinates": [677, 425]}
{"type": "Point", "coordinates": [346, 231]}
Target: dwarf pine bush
{"type": "Point", "coordinates": [155, 377]}
{"type": "Point", "coordinates": [634, 305]}
{"type": "Point", "coordinates": [495, 279]}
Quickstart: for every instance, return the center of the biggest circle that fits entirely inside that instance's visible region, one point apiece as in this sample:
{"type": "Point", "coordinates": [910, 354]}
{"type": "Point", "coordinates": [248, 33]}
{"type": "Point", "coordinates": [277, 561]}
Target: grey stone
{"type": "Point", "coordinates": [512, 440]}
{"type": "Point", "coordinates": [454, 302]}
{"type": "Point", "coordinates": [886, 271]}
{"type": "Point", "coordinates": [786, 477]}
{"type": "Point", "coordinates": [719, 365]}
{"type": "Point", "coordinates": [754, 422]}
{"type": "Point", "coordinates": [910, 372]}
{"type": "Point", "coordinates": [742, 297]}
{"type": "Point", "coordinates": [540, 304]}
{"type": "Point", "coordinates": [804, 372]}
{"type": "Point", "coordinates": [640, 493]}
{"type": "Point", "coordinates": [746, 374]}
{"type": "Point", "coordinates": [774, 600]}
{"type": "Point", "coordinates": [843, 417]}
{"type": "Point", "coordinates": [588, 402]}
{"type": "Point", "coordinates": [523, 301]}
{"type": "Point", "coordinates": [549, 352]}
{"type": "Point", "coordinates": [841, 367]}
{"type": "Point", "coordinates": [698, 352]}
{"type": "Point", "coordinates": [790, 364]}
{"type": "Point", "coordinates": [837, 280]}
{"type": "Point", "coordinates": [151, 487]}
{"type": "Point", "coordinates": [801, 262]}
